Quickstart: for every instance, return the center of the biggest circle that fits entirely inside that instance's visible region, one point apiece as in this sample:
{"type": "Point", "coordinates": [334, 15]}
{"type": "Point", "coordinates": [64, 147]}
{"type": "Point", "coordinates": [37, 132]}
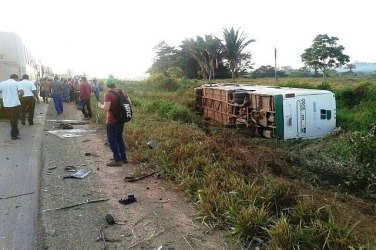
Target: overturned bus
{"type": "Point", "coordinates": [269, 111]}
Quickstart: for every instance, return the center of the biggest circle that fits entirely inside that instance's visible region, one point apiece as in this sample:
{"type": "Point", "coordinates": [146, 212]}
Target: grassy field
{"type": "Point", "coordinates": [311, 194]}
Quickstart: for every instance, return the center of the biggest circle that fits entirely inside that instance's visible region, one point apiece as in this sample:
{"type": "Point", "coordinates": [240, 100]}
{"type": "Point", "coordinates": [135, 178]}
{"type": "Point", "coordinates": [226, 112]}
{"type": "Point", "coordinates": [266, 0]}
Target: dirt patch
{"type": "Point", "coordinates": [161, 216]}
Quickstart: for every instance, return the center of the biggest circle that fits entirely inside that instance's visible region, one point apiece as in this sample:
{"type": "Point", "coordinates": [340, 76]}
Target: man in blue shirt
{"type": "Point", "coordinates": [57, 90]}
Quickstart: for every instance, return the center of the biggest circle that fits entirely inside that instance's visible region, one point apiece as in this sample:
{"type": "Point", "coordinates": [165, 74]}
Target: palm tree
{"type": "Point", "coordinates": [212, 48]}
{"type": "Point", "coordinates": [206, 52]}
{"type": "Point", "coordinates": [235, 43]}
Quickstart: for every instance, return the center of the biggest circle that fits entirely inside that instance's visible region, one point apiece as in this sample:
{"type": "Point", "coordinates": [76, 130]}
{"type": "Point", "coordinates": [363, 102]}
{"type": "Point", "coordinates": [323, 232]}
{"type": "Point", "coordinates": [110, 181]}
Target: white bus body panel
{"type": "Point", "coordinates": [15, 58]}
{"type": "Point", "coordinates": [309, 116]}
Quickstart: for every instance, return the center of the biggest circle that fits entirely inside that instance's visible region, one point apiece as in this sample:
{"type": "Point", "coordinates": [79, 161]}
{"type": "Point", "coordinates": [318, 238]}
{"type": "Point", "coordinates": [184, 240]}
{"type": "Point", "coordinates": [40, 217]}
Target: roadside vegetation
{"type": "Point", "coordinates": [272, 194]}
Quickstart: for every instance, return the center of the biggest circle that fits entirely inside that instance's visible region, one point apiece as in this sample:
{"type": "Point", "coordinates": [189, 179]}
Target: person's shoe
{"type": "Point", "coordinates": [125, 160]}
{"type": "Point", "coordinates": [114, 164]}
{"type": "Point", "coordinates": [23, 122]}
{"type": "Point", "coordinates": [15, 137]}
{"type": "Point", "coordinates": [31, 123]}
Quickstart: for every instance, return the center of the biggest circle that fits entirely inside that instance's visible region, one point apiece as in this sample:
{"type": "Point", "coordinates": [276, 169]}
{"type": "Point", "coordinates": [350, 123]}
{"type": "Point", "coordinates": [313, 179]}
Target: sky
{"type": "Point", "coordinates": [118, 37]}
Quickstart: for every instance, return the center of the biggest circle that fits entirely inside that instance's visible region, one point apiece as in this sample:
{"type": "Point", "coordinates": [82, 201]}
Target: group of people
{"type": "Point", "coordinates": [19, 98]}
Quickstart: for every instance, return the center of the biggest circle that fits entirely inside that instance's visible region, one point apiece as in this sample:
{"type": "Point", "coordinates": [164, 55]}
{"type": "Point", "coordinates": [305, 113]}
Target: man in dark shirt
{"type": "Point", "coordinates": [57, 91]}
{"type": "Point", "coordinates": [114, 128]}
{"type": "Point", "coordinates": [85, 91]}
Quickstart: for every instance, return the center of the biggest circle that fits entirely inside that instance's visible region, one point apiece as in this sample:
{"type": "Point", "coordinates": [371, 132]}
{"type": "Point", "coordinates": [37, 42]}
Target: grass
{"type": "Point", "coordinates": [266, 193]}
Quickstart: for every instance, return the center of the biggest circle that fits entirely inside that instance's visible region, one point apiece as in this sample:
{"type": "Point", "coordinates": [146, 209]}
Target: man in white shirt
{"type": "Point", "coordinates": [11, 92]}
{"type": "Point", "coordinates": [27, 100]}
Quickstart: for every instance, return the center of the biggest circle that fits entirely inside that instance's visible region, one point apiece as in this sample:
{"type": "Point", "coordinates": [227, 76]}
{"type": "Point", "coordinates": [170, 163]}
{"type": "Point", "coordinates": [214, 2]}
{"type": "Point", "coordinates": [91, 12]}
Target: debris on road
{"type": "Point", "coordinates": [50, 232]}
{"type": "Point", "coordinates": [110, 219]}
{"type": "Point", "coordinates": [76, 205]}
{"type": "Point", "coordinates": [50, 168]}
{"type": "Point", "coordinates": [128, 200]}
{"type": "Point", "coordinates": [137, 177]}
{"type": "Point", "coordinates": [73, 122]}
{"type": "Point", "coordinates": [102, 237]}
{"type": "Point", "coordinates": [70, 169]}
{"type": "Point", "coordinates": [80, 174]}
{"type": "Point", "coordinates": [77, 132]}
{"type": "Point", "coordinates": [63, 126]}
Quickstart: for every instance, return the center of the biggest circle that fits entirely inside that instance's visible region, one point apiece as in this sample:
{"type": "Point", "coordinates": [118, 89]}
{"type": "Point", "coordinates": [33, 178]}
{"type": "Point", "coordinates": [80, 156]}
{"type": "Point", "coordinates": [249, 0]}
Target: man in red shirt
{"type": "Point", "coordinates": [85, 91]}
{"type": "Point", "coordinates": [114, 128]}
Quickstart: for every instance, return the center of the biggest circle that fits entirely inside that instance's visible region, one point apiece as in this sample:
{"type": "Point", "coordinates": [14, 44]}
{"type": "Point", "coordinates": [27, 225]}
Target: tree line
{"type": "Point", "coordinates": [209, 57]}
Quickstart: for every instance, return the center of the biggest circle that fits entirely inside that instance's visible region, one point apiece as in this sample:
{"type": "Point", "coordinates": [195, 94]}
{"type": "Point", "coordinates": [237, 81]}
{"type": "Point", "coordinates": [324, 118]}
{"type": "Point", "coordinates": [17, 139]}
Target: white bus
{"type": "Point", "coordinates": [15, 58]}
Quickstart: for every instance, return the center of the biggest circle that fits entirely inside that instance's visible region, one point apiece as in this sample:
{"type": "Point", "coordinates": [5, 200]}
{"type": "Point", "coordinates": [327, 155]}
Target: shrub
{"type": "Point", "coordinates": [168, 84]}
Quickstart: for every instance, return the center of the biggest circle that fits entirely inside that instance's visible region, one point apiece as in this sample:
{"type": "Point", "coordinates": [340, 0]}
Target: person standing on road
{"type": "Point", "coordinates": [85, 91]}
{"type": "Point", "coordinates": [57, 91]}
{"type": "Point", "coordinates": [114, 128]}
{"type": "Point", "coordinates": [11, 91]}
{"type": "Point", "coordinates": [27, 100]}
{"type": "Point", "coordinates": [45, 90]}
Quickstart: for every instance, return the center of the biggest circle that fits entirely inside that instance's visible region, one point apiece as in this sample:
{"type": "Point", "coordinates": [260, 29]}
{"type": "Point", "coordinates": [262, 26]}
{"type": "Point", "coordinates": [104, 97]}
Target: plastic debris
{"type": "Point", "coordinates": [80, 174]}
{"type": "Point", "coordinates": [128, 199]}
{"type": "Point", "coordinates": [152, 144]}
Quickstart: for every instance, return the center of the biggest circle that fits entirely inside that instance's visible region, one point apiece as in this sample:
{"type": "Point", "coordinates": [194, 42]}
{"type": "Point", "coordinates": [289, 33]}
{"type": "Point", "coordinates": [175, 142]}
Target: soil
{"type": "Point", "coordinates": [162, 216]}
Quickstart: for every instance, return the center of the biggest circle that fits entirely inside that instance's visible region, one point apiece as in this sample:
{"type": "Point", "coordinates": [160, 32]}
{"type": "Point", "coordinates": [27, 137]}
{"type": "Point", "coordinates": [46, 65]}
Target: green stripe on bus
{"type": "Point", "coordinates": [279, 122]}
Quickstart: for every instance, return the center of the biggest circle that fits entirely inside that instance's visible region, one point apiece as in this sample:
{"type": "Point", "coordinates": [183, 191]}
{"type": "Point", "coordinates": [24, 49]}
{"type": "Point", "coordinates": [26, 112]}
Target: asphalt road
{"type": "Point", "coordinates": [20, 163]}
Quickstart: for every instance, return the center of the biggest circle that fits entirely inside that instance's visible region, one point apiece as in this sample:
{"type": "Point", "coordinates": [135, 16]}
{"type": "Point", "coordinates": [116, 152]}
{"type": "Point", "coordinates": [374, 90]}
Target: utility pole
{"type": "Point", "coordinates": [275, 64]}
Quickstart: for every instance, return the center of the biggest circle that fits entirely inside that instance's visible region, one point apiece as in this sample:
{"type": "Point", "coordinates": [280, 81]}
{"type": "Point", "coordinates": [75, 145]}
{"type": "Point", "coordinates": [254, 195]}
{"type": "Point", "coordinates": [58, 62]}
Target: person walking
{"type": "Point", "coordinates": [11, 91]}
{"type": "Point", "coordinates": [96, 89]}
{"type": "Point", "coordinates": [27, 100]}
{"type": "Point", "coordinates": [45, 90]}
{"type": "Point", "coordinates": [57, 91]}
{"type": "Point", "coordinates": [114, 128]}
{"type": "Point", "coordinates": [85, 91]}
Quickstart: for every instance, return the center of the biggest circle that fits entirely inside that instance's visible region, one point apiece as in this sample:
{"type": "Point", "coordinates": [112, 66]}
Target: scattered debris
{"type": "Point", "coordinates": [80, 174]}
{"type": "Point", "coordinates": [76, 205]}
{"type": "Point", "coordinates": [70, 169]}
{"type": "Point", "coordinates": [63, 126]}
{"type": "Point", "coordinates": [102, 237]}
{"type": "Point", "coordinates": [77, 132]}
{"type": "Point", "coordinates": [15, 196]}
{"type": "Point", "coordinates": [134, 177]}
{"type": "Point", "coordinates": [152, 144]}
{"type": "Point", "coordinates": [50, 168]}
{"type": "Point", "coordinates": [87, 154]}
{"type": "Point", "coordinates": [86, 140]}
{"type": "Point", "coordinates": [128, 200]}
{"type": "Point", "coordinates": [50, 232]}
{"type": "Point", "coordinates": [110, 219]}
{"type": "Point", "coordinates": [73, 122]}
